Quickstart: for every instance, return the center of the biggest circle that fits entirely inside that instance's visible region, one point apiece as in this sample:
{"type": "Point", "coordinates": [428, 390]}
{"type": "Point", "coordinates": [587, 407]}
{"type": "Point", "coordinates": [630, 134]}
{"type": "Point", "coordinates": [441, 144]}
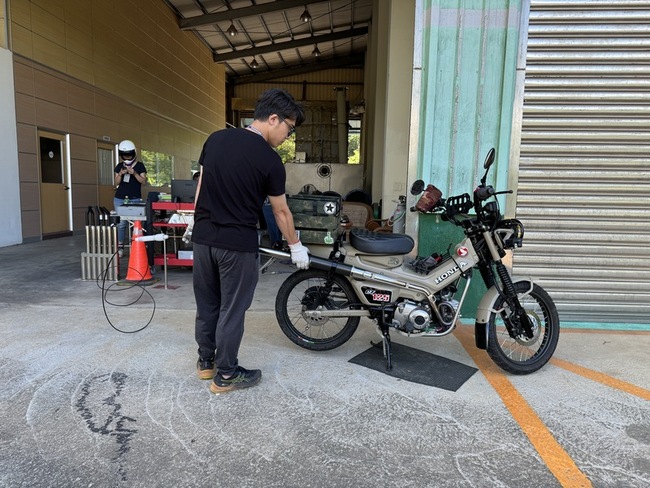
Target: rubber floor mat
{"type": "Point", "coordinates": [417, 366]}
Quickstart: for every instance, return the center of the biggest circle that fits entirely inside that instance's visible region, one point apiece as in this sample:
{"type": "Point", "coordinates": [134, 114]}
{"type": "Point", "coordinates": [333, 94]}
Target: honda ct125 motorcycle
{"type": "Point", "coordinates": [369, 276]}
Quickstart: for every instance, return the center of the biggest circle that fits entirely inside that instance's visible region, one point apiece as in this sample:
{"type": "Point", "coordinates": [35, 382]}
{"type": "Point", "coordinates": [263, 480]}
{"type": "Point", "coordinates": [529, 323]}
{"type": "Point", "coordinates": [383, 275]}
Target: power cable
{"type": "Point", "coordinates": [105, 291]}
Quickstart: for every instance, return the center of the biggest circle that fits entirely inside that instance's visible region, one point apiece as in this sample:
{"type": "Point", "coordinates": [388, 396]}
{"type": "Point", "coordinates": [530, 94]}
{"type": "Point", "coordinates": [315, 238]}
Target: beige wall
{"type": "Point", "coordinates": [108, 70]}
{"type": "Point", "coordinates": [390, 76]}
{"type": "Point", "coordinates": [395, 148]}
{"type": "Point", "coordinates": [3, 25]}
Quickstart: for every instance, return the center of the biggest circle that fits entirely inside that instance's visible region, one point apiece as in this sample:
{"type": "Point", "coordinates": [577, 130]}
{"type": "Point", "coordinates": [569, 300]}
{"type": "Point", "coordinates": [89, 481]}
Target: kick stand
{"type": "Point", "coordinates": [386, 343]}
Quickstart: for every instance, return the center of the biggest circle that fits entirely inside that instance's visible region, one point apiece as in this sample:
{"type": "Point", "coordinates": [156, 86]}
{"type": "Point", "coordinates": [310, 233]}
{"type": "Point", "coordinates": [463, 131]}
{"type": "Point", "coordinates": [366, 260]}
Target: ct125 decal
{"type": "Point", "coordinates": [377, 296]}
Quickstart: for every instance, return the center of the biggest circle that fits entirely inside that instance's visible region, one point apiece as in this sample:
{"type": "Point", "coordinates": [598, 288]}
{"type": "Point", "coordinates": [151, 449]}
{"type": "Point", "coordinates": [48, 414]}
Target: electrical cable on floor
{"type": "Point", "coordinates": [122, 288]}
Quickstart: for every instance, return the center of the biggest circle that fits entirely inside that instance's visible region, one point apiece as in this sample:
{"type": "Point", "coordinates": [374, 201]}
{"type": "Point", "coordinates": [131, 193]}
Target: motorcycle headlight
{"type": "Point", "coordinates": [511, 233]}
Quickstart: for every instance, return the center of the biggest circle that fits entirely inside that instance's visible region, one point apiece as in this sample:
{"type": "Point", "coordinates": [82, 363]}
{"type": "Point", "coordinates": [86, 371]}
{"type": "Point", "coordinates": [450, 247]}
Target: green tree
{"type": "Point", "coordinates": [287, 150]}
{"type": "Point", "coordinates": [354, 153]}
{"type": "Point", "coordinates": [160, 167]}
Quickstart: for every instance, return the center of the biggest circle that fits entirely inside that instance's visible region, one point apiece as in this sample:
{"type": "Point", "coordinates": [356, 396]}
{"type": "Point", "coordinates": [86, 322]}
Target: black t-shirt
{"type": "Point", "coordinates": [239, 170]}
{"type": "Point", "coordinates": [133, 187]}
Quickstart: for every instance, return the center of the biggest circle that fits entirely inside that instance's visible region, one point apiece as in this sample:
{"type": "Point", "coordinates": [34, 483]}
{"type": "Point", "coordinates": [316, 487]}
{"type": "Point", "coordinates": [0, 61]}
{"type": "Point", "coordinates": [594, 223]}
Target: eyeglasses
{"type": "Point", "coordinates": [292, 128]}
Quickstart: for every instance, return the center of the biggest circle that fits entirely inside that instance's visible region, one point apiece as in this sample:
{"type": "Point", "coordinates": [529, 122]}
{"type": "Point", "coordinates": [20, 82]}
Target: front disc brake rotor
{"type": "Point", "coordinates": [535, 321]}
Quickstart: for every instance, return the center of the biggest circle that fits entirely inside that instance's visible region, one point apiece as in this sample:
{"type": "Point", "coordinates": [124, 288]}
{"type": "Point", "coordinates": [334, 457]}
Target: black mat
{"type": "Point", "coordinates": [417, 366]}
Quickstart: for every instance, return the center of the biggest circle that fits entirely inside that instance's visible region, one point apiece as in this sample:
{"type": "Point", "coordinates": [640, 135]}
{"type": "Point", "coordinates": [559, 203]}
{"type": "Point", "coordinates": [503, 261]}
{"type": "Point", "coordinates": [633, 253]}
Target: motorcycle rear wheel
{"type": "Point", "coordinates": [521, 355]}
{"type": "Point", "coordinates": [304, 291]}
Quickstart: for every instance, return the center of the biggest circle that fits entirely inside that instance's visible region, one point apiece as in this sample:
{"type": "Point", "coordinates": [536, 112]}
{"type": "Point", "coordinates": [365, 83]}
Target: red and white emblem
{"type": "Point", "coordinates": [462, 251]}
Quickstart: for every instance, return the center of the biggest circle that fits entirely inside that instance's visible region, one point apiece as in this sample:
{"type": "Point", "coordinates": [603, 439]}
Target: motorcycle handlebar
{"type": "Point", "coordinates": [484, 192]}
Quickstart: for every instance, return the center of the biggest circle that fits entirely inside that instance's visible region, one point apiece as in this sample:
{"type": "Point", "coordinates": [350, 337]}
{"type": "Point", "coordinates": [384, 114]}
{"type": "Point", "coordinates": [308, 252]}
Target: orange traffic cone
{"type": "Point", "coordinates": [138, 262]}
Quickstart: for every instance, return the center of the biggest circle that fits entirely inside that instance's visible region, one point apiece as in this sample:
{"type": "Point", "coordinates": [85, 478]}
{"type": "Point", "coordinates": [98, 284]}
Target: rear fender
{"type": "Point", "coordinates": [486, 307]}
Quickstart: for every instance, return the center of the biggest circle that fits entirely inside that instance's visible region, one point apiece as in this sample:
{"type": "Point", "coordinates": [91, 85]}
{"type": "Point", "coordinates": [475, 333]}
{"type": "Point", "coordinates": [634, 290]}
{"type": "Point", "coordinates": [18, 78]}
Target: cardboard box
{"type": "Point", "coordinates": [186, 255]}
{"type": "Point", "coordinates": [132, 210]}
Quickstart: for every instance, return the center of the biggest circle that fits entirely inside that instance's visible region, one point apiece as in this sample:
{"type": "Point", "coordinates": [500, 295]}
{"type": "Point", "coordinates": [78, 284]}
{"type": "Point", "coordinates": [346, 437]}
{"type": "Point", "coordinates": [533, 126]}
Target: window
{"type": "Point", "coordinates": [354, 141]}
{"type": "Point", "coordinates": [106, 164]}
{"type": "Point", "coordinates": [160, 167]}
{"type": "Point", "coordinates": [195, 168]}
{"type": "Point", "coordinates": [51, 163]}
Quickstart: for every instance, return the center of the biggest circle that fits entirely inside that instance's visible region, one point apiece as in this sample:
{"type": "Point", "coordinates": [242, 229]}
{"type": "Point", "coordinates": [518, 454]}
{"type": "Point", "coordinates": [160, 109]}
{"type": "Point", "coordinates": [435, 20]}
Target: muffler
{"type": "Point", "coordinates": [345, 270]}
{"type": "Point", "coordinates": [314, 262]}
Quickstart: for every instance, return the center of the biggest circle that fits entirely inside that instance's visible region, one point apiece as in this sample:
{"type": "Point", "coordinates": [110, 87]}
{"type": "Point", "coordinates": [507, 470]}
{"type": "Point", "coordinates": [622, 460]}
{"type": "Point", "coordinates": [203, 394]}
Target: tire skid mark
{"type": "Point", "coordinates": [108, 420]}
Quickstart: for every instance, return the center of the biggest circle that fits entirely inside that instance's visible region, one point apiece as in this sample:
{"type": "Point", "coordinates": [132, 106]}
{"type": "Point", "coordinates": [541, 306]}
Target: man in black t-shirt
{"type": "Point", "coordinates": [239, 169]}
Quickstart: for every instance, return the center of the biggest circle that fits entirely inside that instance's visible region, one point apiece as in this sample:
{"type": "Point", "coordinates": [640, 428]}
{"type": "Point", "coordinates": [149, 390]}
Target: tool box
{"type": "Point", "coordinates": [317, 217]}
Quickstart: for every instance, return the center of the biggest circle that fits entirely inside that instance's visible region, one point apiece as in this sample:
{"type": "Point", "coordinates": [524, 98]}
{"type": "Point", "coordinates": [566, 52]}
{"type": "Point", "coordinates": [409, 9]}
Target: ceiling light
{"type": "Point", "coordinates": [315, 52]}
{"type": "Point", "coordinates": [305, 17]}
{"type": "Point", "coordinates": [254, 63]}
{"type": "Point", "coordinates": [232, 30]}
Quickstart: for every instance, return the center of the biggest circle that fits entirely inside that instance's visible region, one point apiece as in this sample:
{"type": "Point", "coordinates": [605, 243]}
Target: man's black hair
{"type": "Point", "coordinates": [279, 102]}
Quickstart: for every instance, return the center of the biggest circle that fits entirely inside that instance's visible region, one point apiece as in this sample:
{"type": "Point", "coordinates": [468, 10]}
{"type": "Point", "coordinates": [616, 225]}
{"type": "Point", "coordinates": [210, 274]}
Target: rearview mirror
{"type": "Point", "coordinates": [418, 186]}
{"type": "Point", "coordinates": [489, 159]}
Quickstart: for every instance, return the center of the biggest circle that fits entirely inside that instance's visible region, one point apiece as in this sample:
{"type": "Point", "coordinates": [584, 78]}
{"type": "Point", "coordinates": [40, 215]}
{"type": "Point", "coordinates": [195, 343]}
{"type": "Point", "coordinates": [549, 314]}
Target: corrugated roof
{"type": "Point", "coordinates": [274, 37]}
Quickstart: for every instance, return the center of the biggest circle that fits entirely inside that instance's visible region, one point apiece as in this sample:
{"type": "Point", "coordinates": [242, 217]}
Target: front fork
{"type": "Point", "coordinates": [521, 320]}
{"type": "Point", "coordinates": [522, 324]}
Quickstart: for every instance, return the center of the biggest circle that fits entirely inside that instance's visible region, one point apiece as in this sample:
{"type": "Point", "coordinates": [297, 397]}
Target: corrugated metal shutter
{"type": "Point", "coordinates": [584, 177]}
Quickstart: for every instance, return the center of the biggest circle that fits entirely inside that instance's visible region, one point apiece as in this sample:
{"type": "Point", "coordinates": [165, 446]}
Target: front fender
{"type": "Point", "coordinates": [486, 307]}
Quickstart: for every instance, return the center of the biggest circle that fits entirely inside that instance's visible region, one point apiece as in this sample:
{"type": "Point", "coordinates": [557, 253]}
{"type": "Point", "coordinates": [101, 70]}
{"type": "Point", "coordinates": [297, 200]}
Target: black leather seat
{"type": "Point", "coordinates": [380, 242]}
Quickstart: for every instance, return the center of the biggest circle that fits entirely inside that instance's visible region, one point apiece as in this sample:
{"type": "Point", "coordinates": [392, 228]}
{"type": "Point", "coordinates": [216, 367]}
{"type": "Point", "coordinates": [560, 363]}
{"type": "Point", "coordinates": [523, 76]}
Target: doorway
{"type": "Point", "coordinates": [56, 199]}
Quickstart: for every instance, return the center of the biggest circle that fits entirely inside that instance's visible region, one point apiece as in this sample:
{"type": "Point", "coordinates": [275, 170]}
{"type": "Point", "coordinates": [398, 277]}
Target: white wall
{"type": "Point", "coordinates": [9, 182]}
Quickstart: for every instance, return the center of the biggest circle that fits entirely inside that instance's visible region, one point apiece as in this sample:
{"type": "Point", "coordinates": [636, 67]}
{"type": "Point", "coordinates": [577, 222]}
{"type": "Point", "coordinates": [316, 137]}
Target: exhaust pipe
{"type": "Point", "coordinates": [345, 270]}
{"type": "Point", "coordinates": [314, 262]}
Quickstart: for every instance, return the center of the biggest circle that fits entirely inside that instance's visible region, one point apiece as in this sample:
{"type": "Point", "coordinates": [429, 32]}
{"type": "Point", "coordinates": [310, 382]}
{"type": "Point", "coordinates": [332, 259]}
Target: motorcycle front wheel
{"type": "Point", "coordinates": [520, 354]}
{"type": "Point", "coordinates": [313, 290]}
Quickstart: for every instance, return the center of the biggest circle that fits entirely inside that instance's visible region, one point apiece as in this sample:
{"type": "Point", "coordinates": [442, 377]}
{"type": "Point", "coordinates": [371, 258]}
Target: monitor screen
{"type": "Point", "coordinates": [183, 191]}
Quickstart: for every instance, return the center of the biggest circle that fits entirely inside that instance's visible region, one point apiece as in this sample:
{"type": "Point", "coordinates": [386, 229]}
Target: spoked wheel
{"type": "Point", "coordinates": [520, 354]}
{"type": "Point", "coordinates": [314, 290]}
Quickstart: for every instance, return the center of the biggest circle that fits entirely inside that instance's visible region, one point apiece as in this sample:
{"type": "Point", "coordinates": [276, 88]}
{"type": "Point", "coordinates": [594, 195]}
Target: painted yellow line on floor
{"type": "Point", "coordinates": [554, 456]}
{"type": "Point", "coordinates": [602, 378]}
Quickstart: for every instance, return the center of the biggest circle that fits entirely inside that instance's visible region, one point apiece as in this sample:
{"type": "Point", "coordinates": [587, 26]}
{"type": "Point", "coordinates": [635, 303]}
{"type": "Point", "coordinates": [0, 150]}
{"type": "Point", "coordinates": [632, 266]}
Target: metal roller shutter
{"type": "Point", "coordinates": [584, 174]}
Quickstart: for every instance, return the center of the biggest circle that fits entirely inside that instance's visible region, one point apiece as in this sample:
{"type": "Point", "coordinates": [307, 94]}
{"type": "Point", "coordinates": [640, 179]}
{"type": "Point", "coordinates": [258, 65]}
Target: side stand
{"type": "Point", "coordinates": [386, 343]}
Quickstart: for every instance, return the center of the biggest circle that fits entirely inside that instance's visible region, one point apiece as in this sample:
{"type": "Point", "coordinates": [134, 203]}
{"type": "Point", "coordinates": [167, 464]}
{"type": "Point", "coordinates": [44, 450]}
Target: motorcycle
{"type": "Point", "coordinates": [369, 276]}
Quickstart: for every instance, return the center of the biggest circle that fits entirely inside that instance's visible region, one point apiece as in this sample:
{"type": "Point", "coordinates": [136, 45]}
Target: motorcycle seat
{"type": "Point", "coordinates": [380, 242]}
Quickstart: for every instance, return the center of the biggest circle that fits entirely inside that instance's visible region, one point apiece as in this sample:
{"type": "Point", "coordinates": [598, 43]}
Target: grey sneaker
{"type": "Point", "coordinates": [242, 378]}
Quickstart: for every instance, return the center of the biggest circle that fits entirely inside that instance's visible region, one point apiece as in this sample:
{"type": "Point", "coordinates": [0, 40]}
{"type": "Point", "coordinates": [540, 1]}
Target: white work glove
{"type": "Point", "coordinates": [187, 237]}
{"type": "Point", "coordinates": [299, 255]}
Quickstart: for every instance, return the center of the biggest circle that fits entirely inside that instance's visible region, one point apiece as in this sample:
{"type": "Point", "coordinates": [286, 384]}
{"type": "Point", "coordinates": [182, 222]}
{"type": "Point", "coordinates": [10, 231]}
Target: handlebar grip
{"type": "Point", "coordinates": [484, 192]}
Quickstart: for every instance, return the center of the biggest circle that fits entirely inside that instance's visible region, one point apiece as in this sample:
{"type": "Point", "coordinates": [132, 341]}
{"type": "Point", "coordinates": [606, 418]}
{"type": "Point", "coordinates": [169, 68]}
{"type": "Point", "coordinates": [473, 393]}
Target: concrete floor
{"type": "Point", "coordinates": [85, 405]}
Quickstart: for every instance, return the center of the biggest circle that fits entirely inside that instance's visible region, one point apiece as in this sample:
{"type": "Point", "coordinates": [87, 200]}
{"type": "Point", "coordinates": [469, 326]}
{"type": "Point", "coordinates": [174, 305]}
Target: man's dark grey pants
{"type": "Point", "coordinates": [224, 285]}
